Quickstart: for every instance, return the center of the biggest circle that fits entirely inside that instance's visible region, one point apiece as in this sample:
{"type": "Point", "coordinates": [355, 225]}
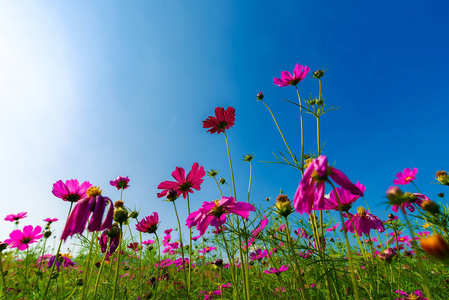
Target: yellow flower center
{"type": "Point", "coordinates": [217, 210]}
{"type": "Point", "coordinates": [361, 211]}
{"type": "Point", "coordinates": [94, 191]}
{"type": "Point", "coordinates": [408, 178]}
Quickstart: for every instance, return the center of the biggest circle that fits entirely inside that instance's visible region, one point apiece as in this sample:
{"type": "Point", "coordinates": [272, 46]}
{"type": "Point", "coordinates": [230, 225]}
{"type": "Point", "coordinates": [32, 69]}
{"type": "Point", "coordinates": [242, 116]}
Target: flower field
{"type": "Point", "coordinates": [323, 242]}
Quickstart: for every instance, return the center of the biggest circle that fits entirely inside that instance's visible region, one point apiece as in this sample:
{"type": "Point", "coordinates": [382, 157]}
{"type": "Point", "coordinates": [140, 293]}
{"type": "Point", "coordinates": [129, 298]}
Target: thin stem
{"type": "Point", "coordinates": [221, 194]}
{"type": "Point", "coordinates": [182, 245]}
{"type": "Point", "coordinates": [230, 258]}
{"type": "Point", "coordinates": [117, 266]}
{"type": "Point", "coordinates": [302, 131]}
{"type": "Point", "coordinates": [230, 165]}
{"type": "Point", "coordinates": [190, 248]}
{"type": "Point", "coordinates": [159, 261]}
{"type": "Point", "coordinates": [85, 283]}
{"type": "Point", "coordinates": [101, 267]}
{"type": "Point", "coordinates": [250, 179]}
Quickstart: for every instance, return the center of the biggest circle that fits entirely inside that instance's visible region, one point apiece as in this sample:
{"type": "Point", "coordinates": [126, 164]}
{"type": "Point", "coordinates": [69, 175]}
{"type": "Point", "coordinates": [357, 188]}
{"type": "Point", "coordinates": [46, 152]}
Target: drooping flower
{"type": "Point", "coordinates": [224, 119]}
{"type": "Point", "coordinates": [21, 239]}
{"type": "Point", "coordinates": [214, 213]}
{"type": "Point", "coordinates": [344, 196]}
{"type": "Point", "coordinates": [299, 73]}
{"type": "Point", "coordinates": [16, 217]}
{"type": "Point", "coordinates": [94, 204]}
{"type": "Point", "coordinates": [363, 222]}
{"type": "Point", "coordinates": [120, 182]}
{"type": "Point", "coordinates": [406, 176]}
{"type": "Point", "coordinates": [310, 192]}
{"type": "Point", "coordinates": [283, 268]}
{"type": "Point", "coordinates": [148, 224]}
{"type": "Point", "coordinates": [183, 185]}
{"type": "Point", "coordinates": [113, 236]}
{"type": "Point", "coordinates": [71, 190]}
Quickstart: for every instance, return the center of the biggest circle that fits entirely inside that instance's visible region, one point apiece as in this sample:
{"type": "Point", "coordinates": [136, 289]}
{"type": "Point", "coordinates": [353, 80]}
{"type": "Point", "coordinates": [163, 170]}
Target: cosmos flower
{"type": "Point", "coordinates": [416, 295]}
{"type": "Point", "coordinates": [214, 213]}
{"type": "Point", "coordinates": [134, 246]}
{"type": "Point", "coordinates": [148, 224]}
{"type": "Point", "coordinates": [224, 119]}
{"type": "Point", "coordinates": [346, 199]}
{"type": "Point", "coordinates": [71, 190]}
{"type": "Point", "coordinates": [50, 220]}
{"type": "Point", "coordinates": [94, 204]}
{"type": "Point", "coordinates": [163, 263]}
{"type": "Point", "coordinates": [333, 228]}
{"type": "Point", "coordinates": [259, 254]}
{"type": "Point", "coordinates": [16, 217]}
{"type": "Point", "coordinates": [63, 260]}
{"type": "Point", "coordinates": [283, 268]}
{"type": "Point", "coordinates": [363, 222]}
{"type": "Point", "coordinates": [21, 239]}
{"type": "Point", "coordinates": [406, 176]}
{"type": "Point", "coordinates": [415, 199]}
{"type": "Point", "coordinates": [310, 192]}
{"type": "Point", "coordinates": [120, 182]}
{"type": "Point", "coordinates": [299, 73]}
{"type": "Point", "coordinates": [113, 235]}
{"type": "Point", "coordinates": [207, 249]}
{"type": "Point", "coordinates": [183, 185]}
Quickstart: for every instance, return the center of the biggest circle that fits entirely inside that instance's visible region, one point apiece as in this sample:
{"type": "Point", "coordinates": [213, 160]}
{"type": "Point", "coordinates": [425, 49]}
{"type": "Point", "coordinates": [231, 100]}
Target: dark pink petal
{"type": "Point", "coordinates": [343, 181]}
{"type": "Point", "coordinates": [97, 214]}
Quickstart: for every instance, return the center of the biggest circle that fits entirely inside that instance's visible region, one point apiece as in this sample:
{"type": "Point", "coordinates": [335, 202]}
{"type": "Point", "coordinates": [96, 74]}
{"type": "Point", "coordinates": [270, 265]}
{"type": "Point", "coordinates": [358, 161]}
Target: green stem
{"type": "Point", "coordinates": [3, 276]}
{"type": "Point", "coordinates": [57, 252]}
{"type": "Point", "coordinates": [101, 267]}
{"type": "Point", "coordinates": [85, 283]}
{"type": "Point", "coordinates": [190, 248]}
{"type": "Point", "coordinates": [250, 179]}
{"type": "Point", "coordinates": [159, 261]}
{"type": "Point", "coordinates": [302, 131]}
{"type": "Point", "coordinates": [117, 266]}
{"type": "Point", "coordinates": [230, 258]}
{"type": "Point", "coordinates": [182, 246]}
{"type": "Point", "coordinates": [221, 194]}
{"type": "Point", "coordinates": [230, 165]}
{"type": "Point", "coordinates": [282, 135]}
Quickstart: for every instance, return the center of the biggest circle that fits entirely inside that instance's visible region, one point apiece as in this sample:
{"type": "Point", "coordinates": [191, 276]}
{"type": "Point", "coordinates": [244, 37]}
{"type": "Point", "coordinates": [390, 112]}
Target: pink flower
{"type": "Point", "coordinates": [258, 255]}
{"type": "Point", "coordinates": [363, 222]}
{"type": "Point", "coordinates": [17, 217]}
{"type": "Point", "coordinates": [406, 176]}
{"type": "Point", "coordinates": [419, 198]}
{"type": "Point", "coordinates": [417, 295]}
{"type": "Point", "coordinates": [63, 260]}
{"type": "Point", "coordinates": [49, 220]}
{"type": "Point", "coordinates": [71, 190]}
{"type": "Point", "coordinates": [346, 199]}
{"type": "Point", "coordinates": [164, 263]}
{"type": "Point", "coordinates": [332, 228]}
{"type": "Point", "coordinates": [134, 246]}
{"type": "Point", "coordinates": [21, 240]}
{"type": "Point", "coordinates": [214, 213]}
{"type": "Point", "coordinates": [148, 242]}
{"type": "Point", "coordinates": [207, 249]}
{"type": "Point", "coordinates": [94, 204]}
{"type": "Point", "coordinates": [183, 185]}
{"type": "Point", "coordinates": [148, 224]}
{"type": "Point", "coordinates": [120, 182]}
{"type": "Point", "coordinates": [196, 238]}
{"type": "Point", "coordinates": [224, 119]}
{"type": "Point", "coordinates": [310, 192]}
{"type": "Point", "coordinates": [288, 79]}
{"type": "Point", "coordinates": [113, 236]}
{"type": "Point", "coordinates": [283, 268]}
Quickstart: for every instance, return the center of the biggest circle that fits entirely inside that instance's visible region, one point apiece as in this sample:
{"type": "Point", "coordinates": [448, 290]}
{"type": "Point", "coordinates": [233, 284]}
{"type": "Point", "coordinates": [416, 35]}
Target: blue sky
{"type": "Point", "coordinates": [93, 90]}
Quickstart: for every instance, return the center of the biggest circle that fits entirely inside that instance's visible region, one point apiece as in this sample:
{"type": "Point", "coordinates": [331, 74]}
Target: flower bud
{"type": "Point", "coordinates": [318, 74]}
{"type": "Point", "coordinates": [319, 102]}
{"type": "Point", "coordinates": [442, 177]}
{"type": "Point", "coordinates": [312, 101]}
{"type": "Point", "coordinates": [436, 247]}
{"type": "Point", "coordinates": [259, 96]}
{"type": "Point", "coordinates": [114, 231]}
{"type": "Point", "coordinates": [172, 195]}
{"type": "Point", "coordinates": [222, 181]}
{"type": "Point", "coordinates": [120, 215]}
{"type": "Point", "coordinates": [394, 195]}
{"type": "Point", "coordinates": [248, 158]}
{"type": "Point", "coordinates": [283, 205]}
{"type": "Point", "coordinates": [133, 214]}
{"type": "Point", "coordinates": [212, 173]}
{"type": "Point", "coordinates": [441, 195]}
{"type": "Point", "coordinates": [47, 234]}
{"type": "Point", "coordinates": [430, 206]}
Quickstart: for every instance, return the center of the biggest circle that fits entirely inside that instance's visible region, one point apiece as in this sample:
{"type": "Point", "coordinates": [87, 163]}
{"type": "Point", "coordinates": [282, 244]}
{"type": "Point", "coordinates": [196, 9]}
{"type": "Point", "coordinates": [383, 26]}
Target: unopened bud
{"type": "Point", "coordinates": [442, 177]}
{"type": "Point", "coordinates": [172, 195]}
{"type": "Point", "coordinates": [259, 96]}
{"type": "Point", "coordinates": [47, 234]}
{"type": "Point", "coordinates": [430, 206]}
{"type": "Point", "coordinates": [394, 195]}
{"type": "Point", "coordinates": [283, 205]}
{"type": "Point", "coordinates": [133, 214]}
{"type": "Point", "coordinates": [319, 102]}
{"type": "Point", "coordinates": [436, 247]}
{"type": "Point", "coordinates": [312, 101]}
{"type": "Point", "coordinates": [222, 180]}
{"type": "Point", "coordinates": [318, 74]}
{"type": "Point", "coordinates": [120, 215]}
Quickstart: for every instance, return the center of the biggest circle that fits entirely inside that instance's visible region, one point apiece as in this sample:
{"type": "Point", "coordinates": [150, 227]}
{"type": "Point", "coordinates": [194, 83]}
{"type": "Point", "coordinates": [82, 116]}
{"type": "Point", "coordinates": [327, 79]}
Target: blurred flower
{"type": "Point", "coordinates": [283, 268]}
{"type": "Point", "coordinates": [299, 73]}
{"type": "Point", "coordinates": [148, 224]}
{"type": "Point", "coordinates": [214, 213]}
{"type": "Point", "coordinates": [330, 229]}
{"type": "Point", "coordinates": [71, 190]}
{"type": "Point", "coordinates": [224, 119]}
{"type": "Point", "coordinates": [436, 247]}
{"type": "Point", "coordinates": [207, 249]}
{"type": "Point", "coordinates": [49, 220]}
{"type": "Point", "coordinates": [17, 217]}
{"type": "Point", "coordinates": [310, 192]}
{"type": "Point", "coordinates": [21, 239]}
{"type": "Point", "coordinates": [183, 185]}
{"type": "Point", "coordinates": [148, 242]}
{"type": "Point", "coordinates": [363, 222]}
{"type": "Point", "coordinates": [62, 260]}
{"type": "Point", "coordinates": [120, 182]}
{"type": "Point", "coordinates": [94, 204]}
{"type": "Point", "coordinates": [406, 176]}
{"type": "Point", "coordinates": [134, 246]}
{"type": "Point", "coordinates": [258, 254]}
{"type": "Point", "coordinates": [346, 198]}
{"type": "Point", "coordinates": [414, 199]}
{"type": "Point", "coordinates": [442, 177]}
{"type": "Point", "coordinates": [416, 295]}
{"type": "Point", "coordinates": [164, 263]}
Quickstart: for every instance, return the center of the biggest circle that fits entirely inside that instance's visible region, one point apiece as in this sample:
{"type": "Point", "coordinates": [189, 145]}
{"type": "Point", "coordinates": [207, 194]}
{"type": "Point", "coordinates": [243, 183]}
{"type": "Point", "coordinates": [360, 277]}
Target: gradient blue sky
{"type": "Point", "coordinates": [93, 90]}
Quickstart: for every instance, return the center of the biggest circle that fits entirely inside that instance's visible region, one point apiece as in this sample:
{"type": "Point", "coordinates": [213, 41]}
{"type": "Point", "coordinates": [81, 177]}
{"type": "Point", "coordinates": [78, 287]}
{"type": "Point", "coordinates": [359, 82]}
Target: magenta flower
{"type": "Point", "coordinates": [259, 254]}
{"type": "Point", "coordinates": [416, 295]}
{"type": "Point", "coordinates": [148, 242]}
{"type": "Point", "coordinates": [224, 119]}
{"type": "Point", "coordinates": [17, 217]}
{"type": "Point", "coordinates": [406, 176]}
{"type": "Point", "coordinates": [94, 204]}
{"type": "Point", "coordinates": [299, 73]}
{"type": "Point", "coordinates": [310, 192]}
{"type": "Point", "coordinates": [62, 260]}
{"type": "Point", "coordinates": [50, 220]}
{"type": "Point", "coordinates": [71, 190]}
{"type": "Point", "coordinates": [120, 182]}
{"type": "Point", "coordinates": [363, 222]}
{"type": "Point", "coordinates": [134, 246]}
{"type": "Point", "coordinates": [214, 213]}
{"type": "Point", "coordinates": [165, 263]}
{"type": "Point", "coordinates": [21, 239]}
{"type": "Point", "coordinates": [114, 241]}
{"type": "Point", "coordinates": [333, 228]}
{"type": "Point", "coordinates": [419, 198]}
{"type": "Point", "coordinates": [148, 224]}
{"type": "Point", "coordinates": [283, 268]}
{"type": "Point", "coordinates": [346, 199]}
{"type": "Point", "coordinates": [207, 249]}
{"type": "Point", "coordinates": [183, 185]}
